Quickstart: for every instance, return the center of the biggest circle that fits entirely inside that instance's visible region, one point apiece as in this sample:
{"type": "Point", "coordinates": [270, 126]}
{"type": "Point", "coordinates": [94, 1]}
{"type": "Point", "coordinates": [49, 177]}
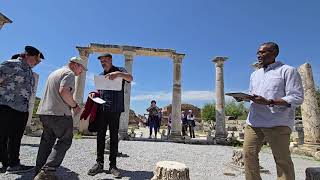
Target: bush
{"type": "Point", "coordinates": [236, 109]}
{"type": "Point", "coordinates": [208, 112]}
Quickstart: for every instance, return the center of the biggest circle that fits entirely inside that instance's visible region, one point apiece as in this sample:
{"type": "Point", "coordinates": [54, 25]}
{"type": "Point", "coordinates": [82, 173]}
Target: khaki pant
{"type": "Point", "coordinates": [279, 140]}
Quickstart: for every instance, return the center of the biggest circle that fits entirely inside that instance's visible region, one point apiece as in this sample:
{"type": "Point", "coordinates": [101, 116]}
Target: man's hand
{"type": "Point", "coordinates": [113, 75]}
{"type": "Point", "coordinates": [260, 100]}
{"type": "Point", "coordinates": [76, 110]}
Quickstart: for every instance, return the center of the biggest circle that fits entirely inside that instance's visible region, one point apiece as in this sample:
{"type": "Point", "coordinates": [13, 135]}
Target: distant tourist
{"type": "Point", "coordinates": [16, 87]}
{"type": "Point", "coordinates": [184, 123]}
{"type": "Point", "coordinates": [191, 123]}
{"type": "Point", "coordinates": [108, 115]}
{"type": "Point", "coordinates": [153, 118]}
{"type": "Point", "coordinates": [169, 125]}
{"type": "Point", "coordinates": [276, 91]}
{"type": "Point", "coordinates": [55, 113]}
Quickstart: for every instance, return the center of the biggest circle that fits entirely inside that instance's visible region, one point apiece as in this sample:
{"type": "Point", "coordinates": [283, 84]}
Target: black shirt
{"type": "Point", "coordinates": [114, 99]}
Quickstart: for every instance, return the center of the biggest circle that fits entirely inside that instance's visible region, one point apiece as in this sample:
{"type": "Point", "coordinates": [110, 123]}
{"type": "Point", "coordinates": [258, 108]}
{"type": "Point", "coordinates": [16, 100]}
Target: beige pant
{"type": "Point", "coordinates": [279, 140]}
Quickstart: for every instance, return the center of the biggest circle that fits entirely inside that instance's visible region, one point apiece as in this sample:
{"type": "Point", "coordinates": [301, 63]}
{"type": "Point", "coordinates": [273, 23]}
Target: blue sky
{"type": "Point", "coordinates": [200, 29]}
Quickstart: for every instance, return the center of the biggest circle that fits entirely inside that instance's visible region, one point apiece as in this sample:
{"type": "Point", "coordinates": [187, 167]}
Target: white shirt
{"type": "Point", "coordinates": [276, 81]}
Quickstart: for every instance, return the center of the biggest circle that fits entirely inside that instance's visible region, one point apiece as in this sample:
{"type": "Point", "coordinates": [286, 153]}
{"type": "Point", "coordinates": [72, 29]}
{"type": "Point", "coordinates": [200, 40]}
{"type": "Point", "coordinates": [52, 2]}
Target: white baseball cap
{"type": "Point", "coordinates": [78, 60]}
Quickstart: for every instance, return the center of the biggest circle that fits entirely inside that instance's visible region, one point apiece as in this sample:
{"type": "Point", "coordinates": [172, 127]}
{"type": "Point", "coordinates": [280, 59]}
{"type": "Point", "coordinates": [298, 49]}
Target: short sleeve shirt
{"type": "Point", "coordinates": [51, 102]}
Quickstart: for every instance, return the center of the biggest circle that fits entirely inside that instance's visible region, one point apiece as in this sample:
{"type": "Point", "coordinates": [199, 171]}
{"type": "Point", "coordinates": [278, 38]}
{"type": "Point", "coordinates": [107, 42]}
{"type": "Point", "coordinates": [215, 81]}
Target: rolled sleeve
{"type": "Point", "coordinates": [293, 88]}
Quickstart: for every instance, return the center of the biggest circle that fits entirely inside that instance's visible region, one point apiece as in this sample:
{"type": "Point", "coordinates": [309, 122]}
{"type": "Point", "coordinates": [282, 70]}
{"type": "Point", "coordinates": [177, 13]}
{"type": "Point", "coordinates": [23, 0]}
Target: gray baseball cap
{"type": "Point", "coordinates": [78, 60]}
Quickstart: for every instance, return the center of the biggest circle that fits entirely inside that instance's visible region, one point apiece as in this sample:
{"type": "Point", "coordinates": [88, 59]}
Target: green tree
{"type": "Point", "coordinates": [208, 112]}
{"type": "Point", "coordinates": [236, 109]}
{"type": "Point", "coordinates": [35, 108]}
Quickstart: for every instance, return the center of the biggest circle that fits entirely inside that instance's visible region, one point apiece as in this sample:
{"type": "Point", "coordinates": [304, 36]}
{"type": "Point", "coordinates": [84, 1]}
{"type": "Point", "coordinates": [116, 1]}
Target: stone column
{"type": "Point", "coordinates": [124, 118]}
{"type": "Point", "coordinates": [80, 85]}
{"type": "Point", "coordinates": [32, 98]}
{"type": "Point", "coordinates": [176, 98]}
{"type": "Point", "coordinates": [310, 110]}
{"type": "Point", "coordinates": [220, 102]}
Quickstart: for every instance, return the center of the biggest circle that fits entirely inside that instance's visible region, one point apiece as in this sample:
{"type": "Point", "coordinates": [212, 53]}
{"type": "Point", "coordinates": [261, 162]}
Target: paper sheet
{"type": "Point", "coordinates": [102, 83]}
{"type": "Point", "coordinates": [98, 100]}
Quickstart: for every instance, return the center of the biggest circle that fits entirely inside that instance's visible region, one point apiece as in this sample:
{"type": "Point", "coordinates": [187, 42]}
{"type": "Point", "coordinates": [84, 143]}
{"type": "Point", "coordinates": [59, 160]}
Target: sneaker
{"type": "Point", "coordinates": [19, 169]}
{"type": "Point", "coordinates": [46, 175]}
{"type": "Point", "coordinates": [115, 172]}
{"type": "Point", "coordinates": [96, 169]}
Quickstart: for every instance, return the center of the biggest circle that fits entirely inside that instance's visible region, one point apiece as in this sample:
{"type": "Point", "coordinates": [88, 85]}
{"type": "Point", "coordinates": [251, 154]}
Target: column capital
{"type": "Point", "coordinates": [177, 58]}
{"type": "Point", "coordinates": [219, 60]}
{"type": "Point", "coordinates": [129, 54]}
{"type": "Point", "coordinates": [84, 52]}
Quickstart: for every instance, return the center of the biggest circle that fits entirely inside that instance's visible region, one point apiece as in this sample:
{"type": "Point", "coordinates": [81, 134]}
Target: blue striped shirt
{"type": "Point", "coordinates": [274, 82]}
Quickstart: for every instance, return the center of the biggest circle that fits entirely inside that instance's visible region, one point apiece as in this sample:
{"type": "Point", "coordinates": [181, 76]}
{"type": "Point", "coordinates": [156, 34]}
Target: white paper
{"type": "Point", "coordinates": [102, 83]}
{"type": "Point", "coordinates": [98, 100]}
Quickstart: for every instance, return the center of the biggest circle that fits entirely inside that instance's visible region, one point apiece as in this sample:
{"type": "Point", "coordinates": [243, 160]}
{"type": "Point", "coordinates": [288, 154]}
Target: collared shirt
{"type": "Point", "coordinates": [114, 99]}
{"type": "Point", "coordinates": [16, 84]}
{"type": "Point", "coordinates": [274, 82]}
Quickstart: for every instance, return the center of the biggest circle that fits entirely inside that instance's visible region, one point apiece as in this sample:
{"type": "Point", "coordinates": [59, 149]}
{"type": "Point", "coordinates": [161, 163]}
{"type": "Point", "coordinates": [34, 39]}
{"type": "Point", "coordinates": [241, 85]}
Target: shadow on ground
{"type": "Point", "coordinates": [134, 175]}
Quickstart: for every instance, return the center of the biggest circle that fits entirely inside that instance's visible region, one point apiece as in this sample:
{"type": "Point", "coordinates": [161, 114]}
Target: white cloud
{"type": "Point", "coordinates": [167, 96]}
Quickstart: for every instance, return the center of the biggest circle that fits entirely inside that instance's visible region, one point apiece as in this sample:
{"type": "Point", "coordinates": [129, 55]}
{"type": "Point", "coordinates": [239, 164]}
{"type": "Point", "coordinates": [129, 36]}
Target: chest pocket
{"type": "Point", "coordinates": [274, 84]}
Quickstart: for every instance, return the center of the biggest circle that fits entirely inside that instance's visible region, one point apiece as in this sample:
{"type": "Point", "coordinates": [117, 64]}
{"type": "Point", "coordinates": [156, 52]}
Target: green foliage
{"type": "Point", "coordinates": [236, 109]}
{"type": "Point", "coordinates": [35, 108]}
{"type": "Point", "coordinates": [208, 112]}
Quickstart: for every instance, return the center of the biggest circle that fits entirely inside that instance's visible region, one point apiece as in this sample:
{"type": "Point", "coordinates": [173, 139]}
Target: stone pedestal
{"type": "Point", "coordinates": [176, 98]}
{"type": "Point", "coordinates": [309, 109]}
{"type": "Point", "coordinates": [221, 132]}
{"type": "Point", "coordinates": [171, 170]}
{"type": "Point", "coordinates": [124, 118]}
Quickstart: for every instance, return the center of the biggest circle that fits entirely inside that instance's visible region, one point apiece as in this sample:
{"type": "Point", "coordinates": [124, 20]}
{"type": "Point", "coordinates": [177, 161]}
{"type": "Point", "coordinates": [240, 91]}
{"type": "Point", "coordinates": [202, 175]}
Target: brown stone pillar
{"type": "Point", "coordinates": [124, 119]}
{"type": "Point", "coordinates": [176, 97]}
{"type": "Point", "coordinates": [220, 102]}
{"type": "Point", "coordinates": [309, 108]}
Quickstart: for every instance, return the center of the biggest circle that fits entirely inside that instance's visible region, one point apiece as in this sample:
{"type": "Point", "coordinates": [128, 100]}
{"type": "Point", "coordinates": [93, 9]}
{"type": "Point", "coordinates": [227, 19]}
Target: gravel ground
{"type": "Point", "coordinates": [205, 162]}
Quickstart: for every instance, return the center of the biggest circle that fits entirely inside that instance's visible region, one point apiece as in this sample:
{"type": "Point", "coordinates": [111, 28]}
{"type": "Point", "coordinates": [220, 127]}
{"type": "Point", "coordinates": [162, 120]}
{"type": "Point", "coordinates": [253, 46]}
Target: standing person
{"type": "Point", "coordinates": [55, 112]}
{"type": "Point", "coordinates": [169, 125]}
{"type": "Point", "coordinates": [191, 123]}
{"type": "Point", "coordinates": [277, 90]}
{"type": "Point", "coordinates": [16, 87]}
{"type": "Point", "coordinates": [108, 114]}
{"type": "Point", "coordinates": [153, 118]}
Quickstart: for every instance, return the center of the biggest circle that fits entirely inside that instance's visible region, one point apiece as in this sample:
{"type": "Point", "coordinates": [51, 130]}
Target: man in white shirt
{"type": "Point", "coordinates": [276, 91]}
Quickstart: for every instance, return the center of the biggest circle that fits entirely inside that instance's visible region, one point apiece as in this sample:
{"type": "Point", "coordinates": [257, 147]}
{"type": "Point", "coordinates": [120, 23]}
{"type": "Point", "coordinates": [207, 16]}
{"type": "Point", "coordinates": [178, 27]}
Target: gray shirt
{"type": "Point", "coordinates": [52, 103]}
{"type": "Point", "coordinates": [16, 84]}
{"type": "Point", "coordinates": [276, 81]}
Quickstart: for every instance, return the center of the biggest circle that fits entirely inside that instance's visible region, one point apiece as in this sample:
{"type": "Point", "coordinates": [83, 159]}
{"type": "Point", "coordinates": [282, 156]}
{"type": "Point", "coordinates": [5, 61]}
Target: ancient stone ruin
{"type": "Point", "coordinates": [4, 20]}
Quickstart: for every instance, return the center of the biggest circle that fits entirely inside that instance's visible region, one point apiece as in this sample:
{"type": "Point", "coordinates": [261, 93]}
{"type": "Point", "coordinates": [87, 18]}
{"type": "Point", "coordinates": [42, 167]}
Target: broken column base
{"type": "Point", "coordinates": [311, 150]}
{"type": "Point", "coordinates": [313, 173]}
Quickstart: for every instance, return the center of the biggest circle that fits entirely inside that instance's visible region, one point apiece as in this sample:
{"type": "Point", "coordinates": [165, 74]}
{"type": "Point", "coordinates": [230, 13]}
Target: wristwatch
{"type": "Point", "coordinates": [271, 103]}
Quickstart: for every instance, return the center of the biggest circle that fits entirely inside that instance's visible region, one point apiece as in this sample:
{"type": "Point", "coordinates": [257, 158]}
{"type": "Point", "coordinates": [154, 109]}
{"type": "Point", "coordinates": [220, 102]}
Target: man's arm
{"type": "Point", "coordinates": [67, 97]}
{"type": "Point", "coordinates": [126, 76]}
